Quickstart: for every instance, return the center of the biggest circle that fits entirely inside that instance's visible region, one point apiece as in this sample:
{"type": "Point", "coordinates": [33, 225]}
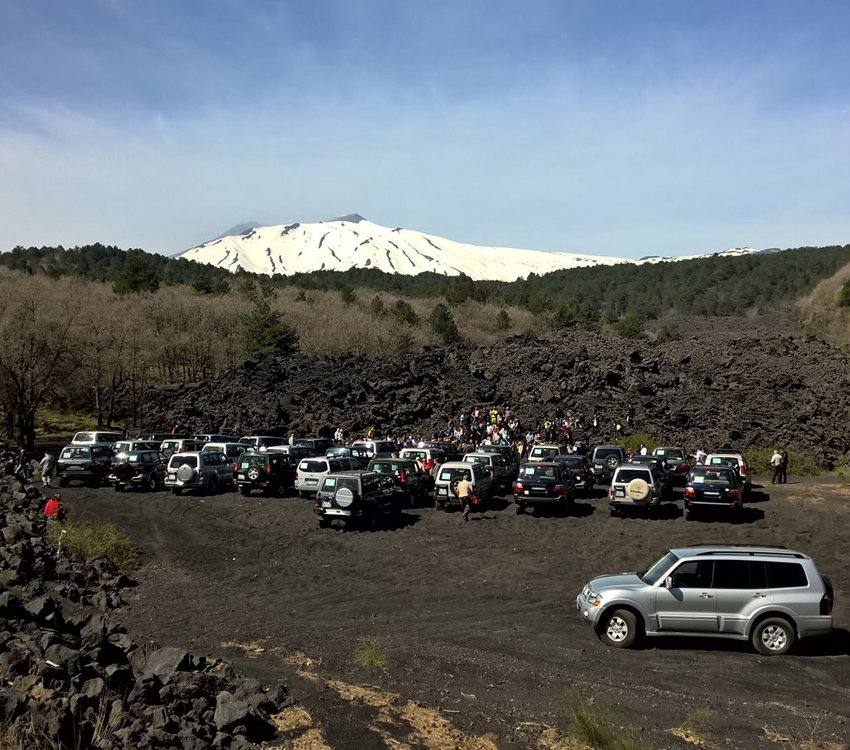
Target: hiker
{"type": "Point", "coordinates": [643, 449]}
{"type": "Point", "coordinates": [464, 494]}
{"type": "Point", "coordinates": [783, 471]}
{"type": "Point", "coordinates": [618, 430]}
{"type": "Point", "coordinates": [48, 469]}
{"type": "Point", "coordinates": [701, 456]}
{"type": "Point", "coordinates": [630, 416]}
{"type": "Point", "coordinates": [776, 463]}
{"type": "Point", "coordinates": [22, 468]}
{"type": "Point", "coordinates": [54, 510]}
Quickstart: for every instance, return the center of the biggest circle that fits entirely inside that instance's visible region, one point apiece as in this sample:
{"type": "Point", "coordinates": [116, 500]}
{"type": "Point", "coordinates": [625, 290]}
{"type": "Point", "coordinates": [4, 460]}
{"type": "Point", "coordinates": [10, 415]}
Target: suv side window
{"type": "Point", "coordinates": [786, 575]}
{"type": "Point", "coordinates": [693, 574]}
{"type": "Point", "coordinates": [731, 574]}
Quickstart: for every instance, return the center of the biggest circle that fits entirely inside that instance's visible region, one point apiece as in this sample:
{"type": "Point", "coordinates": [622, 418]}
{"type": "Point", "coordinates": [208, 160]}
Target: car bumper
{"type": "Point", "coordinates": [79, 473]}
{"type": "Point", "coordinates": [588, 613]}
{"type": "Point", "coordinates": [627, 502]}
{"type": "Point", "coordinates": [540, 499]}
{"type": "Point", "coordinates": [721, 505]}
{"type": "Point", "coordinates": [304, 487]}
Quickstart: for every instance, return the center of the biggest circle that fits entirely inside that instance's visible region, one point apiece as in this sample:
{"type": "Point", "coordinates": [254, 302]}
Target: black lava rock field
{"type": "Point", "coordinates": [729, 381]}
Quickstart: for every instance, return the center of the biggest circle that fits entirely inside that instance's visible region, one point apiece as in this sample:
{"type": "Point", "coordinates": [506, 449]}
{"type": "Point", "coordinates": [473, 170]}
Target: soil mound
{"type": "Point", "coordinates": [730, 382]}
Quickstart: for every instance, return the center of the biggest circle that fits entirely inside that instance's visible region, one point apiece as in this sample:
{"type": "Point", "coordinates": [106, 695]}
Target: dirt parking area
{"type": "Point", "coordinates": [476, 621]}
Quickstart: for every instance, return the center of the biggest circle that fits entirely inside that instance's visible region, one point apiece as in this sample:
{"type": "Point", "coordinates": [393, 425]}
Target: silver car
{"type": "Point", "coordinates": [769, 596]}
{"type": "Point", "coordinates": [311, 471]}
{"type": "Point", "coordinates": [634, 486]}
{"type": "Point", "coordinates": [198, 470]}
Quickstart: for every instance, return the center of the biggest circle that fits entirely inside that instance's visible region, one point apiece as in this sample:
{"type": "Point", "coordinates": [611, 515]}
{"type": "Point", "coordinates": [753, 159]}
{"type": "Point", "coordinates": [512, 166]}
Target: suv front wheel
{"type": "Point", "coordinates": [773, 637]}
{"type": "Point", "coordinates": [620, 629]}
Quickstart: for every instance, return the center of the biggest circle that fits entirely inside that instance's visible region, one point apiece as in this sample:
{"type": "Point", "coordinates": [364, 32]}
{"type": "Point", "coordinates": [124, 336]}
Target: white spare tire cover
{"type": "Point", "coordinates": [638, 489]}
{"type": "Point", "coordinates": [185, 473]}
{"type": "Point", "coordinates": [344, 497]}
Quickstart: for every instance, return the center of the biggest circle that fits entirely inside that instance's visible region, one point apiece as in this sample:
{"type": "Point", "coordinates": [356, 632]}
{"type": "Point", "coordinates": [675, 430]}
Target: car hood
{"type": "Point", "coordinates": [616, 581]}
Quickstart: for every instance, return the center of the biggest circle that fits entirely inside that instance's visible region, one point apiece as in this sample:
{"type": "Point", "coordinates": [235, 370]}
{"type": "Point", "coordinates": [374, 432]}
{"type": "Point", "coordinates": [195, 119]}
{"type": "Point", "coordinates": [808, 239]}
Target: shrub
{"type": "Point", "coordinates": [377, 308]}
{"type": "Point", "coordinates": [91, 540]}
{"type": "Point", "coordinates": [369, 654]}
{"type": "Point", "coordinates": [503, 321]}
{"type": "Point", "coordinates": [668, 333]}
{"type": "Point", "coordinates": [443, 324]}
{"type": "Point", "coordinates": [630, 326]}
{"type": "Point", "coordinates": [799, 463]}
{"type": "Point", "coordinates": [633, 442]}
{"type": "Point", "coordinates": [347, 295]}
{"type": "Point", "coordinates": [590, 725]}
{"type": "Point", "coordinates": [402, 312]}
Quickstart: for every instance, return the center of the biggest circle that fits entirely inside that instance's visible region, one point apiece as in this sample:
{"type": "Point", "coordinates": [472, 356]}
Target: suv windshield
{"type": "Point", "coordinates": [654, 572]}
{"type": "Point", "coordinates": [626, 475]}
{"type": "Point", "coordinates": [177, 461]}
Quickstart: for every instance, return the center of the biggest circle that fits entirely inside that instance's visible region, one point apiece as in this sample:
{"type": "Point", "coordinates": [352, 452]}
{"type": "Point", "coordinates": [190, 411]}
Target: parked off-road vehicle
{"type": "Point", "coordinates": [87, 463]}
{"type": "Point", "coordinates": [544, 483]}
{"type": "Point", "coordinates": [635, 486]}
{"type": "Point", "coordinates": [271, 472]}
{"type": "Point", "coordinates": [144, 470]}
{"type": "Point", "coordinates": [358, 497]}
{"type": "Point", "coordinates": [449, 477]}
{"type": "Point", "coordinates": [415, 483]}
{"type": "Point", "coordinates": [199, 470]}
{"type": "Point", "coordinates": [605, 460]}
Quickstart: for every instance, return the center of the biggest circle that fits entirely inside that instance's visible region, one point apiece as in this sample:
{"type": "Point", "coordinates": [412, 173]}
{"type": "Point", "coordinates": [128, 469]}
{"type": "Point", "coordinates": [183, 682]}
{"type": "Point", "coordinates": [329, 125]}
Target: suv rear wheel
{"type": "Point", "coordinates": [773, 637]}
{"type": "Point", "coordinates": [620, 629]}
{"type": "Point", "coordinates": [151, 483]}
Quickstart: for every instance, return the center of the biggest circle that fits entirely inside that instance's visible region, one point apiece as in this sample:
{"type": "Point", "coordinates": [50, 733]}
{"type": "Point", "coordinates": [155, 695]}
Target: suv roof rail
{"type": "Point", "coordinates": [751, 553]}
{"type": "Point", "coordinates": [732, 544]}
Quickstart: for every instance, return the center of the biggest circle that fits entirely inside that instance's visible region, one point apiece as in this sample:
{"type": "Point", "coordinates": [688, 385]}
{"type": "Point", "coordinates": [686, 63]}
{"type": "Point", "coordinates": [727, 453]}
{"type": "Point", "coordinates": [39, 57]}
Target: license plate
{"type": "Point", "coordinates": [525, 493]}
{"type": "Point", "coordinates": [326, 503]}
{"type": "Point", "coordinates": [240, 475]}
{"type": "Point", "coordinates": [711, 494]}
{"type": "Point", "coordinates": [619, 491]}
{"type": "Point", "coordinates": [337, 512]}
{"type": "Point", "coordinates": [443, 491]}
{"type": "Point", "coordinates": [311, 481]}
{"type": "Point", "coordinates": [539, 489]}
{"type": "Point", "coordinates": [73, 468]}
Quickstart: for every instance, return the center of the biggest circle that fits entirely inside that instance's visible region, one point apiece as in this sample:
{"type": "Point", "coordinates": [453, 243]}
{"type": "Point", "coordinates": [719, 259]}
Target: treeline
{"type": "Point", "coordinates": [704, 286]}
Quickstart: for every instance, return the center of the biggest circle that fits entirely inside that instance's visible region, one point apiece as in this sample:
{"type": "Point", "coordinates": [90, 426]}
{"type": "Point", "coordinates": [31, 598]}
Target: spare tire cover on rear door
{"type": "Point", "coordinates": [185, 473]}
{"type": "Point", "coordinates": [344, 497]}
{"type": "Point", "coordinates": [638, 489]}
{"type": "Point", "coordinates": [124, 470]}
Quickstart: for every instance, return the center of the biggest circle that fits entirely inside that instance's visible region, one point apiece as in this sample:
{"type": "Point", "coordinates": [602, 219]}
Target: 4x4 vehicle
{"type": "Point", "coordinates": [508, 452]}
{"type": "Point", "coordinates": [212, 438]}
{"type": "Point", "coordinates": [319, 446]}
{"type": "Point", "coordinates": [357, 496]}
{"type": "Point", "coordinates": [359, 454]}
{"type": "Point", "coordinates": [580, 469]}
{"type": "Point", "coordinates": [142, 469]}
{"type": "Point", "coordinates": [736, 461]}
{"type": "Point", "coordinates": [433, 454]}
{"type": "Point", "coordinates": [261, 442]}
{"type": "Point", "coordinates": [544, 452]}
{"type": "Point", "coordinates": [712, 487]}
{"type": "Point", "coordinates": [543, 483]}
{"type": "Point", "coordinates": [97, 438]}
{"type": "Point", "coordinates": [295, 452]}
{"type": "Point", "coordinates": [311, 470]}
{"type": "Point", "coordinates": [659, 468]}
{"type": "Point", "coordinates": [180, 445]}
{"type": "Point", "coordinates": [88, 463]}
{"type": "Point", "coordinates": [271, 471]}
{"type": "Point", "coordinates": [634, 486]}
{"type": "Point", "coordinates": [198, 470]}
{"type": "Point", "coordinates": [676, 460]}
{"type": "Point", "coordinates": [125, 446]}
{"type": "Point", "coordinates": [605, 460]}
{"type": "Point", "coordinates": [448, 479]}
{"type": "Point", "coordinates": [769, 596]}
{"type": "Point", "coordinates": [157, 437]}
{"type": "Point", "coordinates": [502, 472]}
{"type": "Point", "coordinates": [406, 472]}
{"type": "Point", "coordinates": [231, 450]}
{"type": "Point", "coordinates": [377, 448]}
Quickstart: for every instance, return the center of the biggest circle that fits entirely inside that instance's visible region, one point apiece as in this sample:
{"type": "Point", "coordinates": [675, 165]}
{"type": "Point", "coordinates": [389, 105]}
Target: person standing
{"type": "Point", "coordinates": [630, 416]}
{"type": "Point", "coordinates": [48, 469]}
{"type": "Point", "coordinates": [464, 494]}
{"type": "Point", "coordinates": [643, 449]}
{"type": "Point", "coordinates": [776, 463]}
{"type": "Point", "coordinates": [23, 466]}
{"type": "Point", "coordinates": [701, 456]}
{"type": "Point", "coordinates": [783, 470]}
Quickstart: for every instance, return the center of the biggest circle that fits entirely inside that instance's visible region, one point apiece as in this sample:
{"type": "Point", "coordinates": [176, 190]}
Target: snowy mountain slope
{"type": "Point", "coordinates": [354, 242]}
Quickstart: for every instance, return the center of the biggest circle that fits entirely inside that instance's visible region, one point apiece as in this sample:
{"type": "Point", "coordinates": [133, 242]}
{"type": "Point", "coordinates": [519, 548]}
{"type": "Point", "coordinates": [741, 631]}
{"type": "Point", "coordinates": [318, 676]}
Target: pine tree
{"type": "Point", "coordinates": [503, 321]}
{"type": "Point", "coordinates": [402, 312]}
{"type": "Point", "coordinates": [443, 324]}
{"type": "Point", "coordinates": [264, 331]}
{"type": "Point", "coordinates": [138, 275]}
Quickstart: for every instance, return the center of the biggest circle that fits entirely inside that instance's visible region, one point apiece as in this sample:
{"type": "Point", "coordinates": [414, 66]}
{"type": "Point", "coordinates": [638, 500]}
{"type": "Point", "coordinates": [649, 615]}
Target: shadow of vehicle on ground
{"type": "Point", "coordinates": [728, 515]}
{"type": "Point", "coordinates": [757, 496]}
{"type": "Point", "coordinates": [836, 643]}
{"type": "Point", "coordinates": [387, 522]}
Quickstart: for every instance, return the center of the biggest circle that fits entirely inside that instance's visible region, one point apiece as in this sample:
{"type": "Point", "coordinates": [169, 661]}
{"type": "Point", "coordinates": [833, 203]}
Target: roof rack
{"type": "Point", "coordinates": [751, 553]}
{"type": "Point", "coordinates": [728, 544]}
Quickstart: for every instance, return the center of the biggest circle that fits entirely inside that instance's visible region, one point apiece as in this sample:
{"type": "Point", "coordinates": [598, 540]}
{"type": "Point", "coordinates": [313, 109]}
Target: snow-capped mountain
{"type": "Point", "coordinates": [354, 242]}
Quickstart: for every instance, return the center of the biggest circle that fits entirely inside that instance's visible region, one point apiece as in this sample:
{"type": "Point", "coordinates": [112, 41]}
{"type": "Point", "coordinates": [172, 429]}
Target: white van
{"type": "Point", "coordinates": [97, 438]}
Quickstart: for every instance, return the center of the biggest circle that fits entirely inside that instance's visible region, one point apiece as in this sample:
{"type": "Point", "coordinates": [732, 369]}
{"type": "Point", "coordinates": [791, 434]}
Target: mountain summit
{"type": "Point", "coordinates": [354, 242]}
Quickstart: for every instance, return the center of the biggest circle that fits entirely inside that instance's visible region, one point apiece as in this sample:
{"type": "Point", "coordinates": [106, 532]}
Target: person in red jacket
{"type": "Point", "coordinates": [53, 510]}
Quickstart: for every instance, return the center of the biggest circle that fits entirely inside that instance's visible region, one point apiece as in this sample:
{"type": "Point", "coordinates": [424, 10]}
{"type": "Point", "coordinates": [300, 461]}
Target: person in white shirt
{"type": "Point", "coordinates": [643, 449]}
{"type": "Point", "coordinates": [776, 463]}
{"type": "Point", "coordinates": [701, 456]}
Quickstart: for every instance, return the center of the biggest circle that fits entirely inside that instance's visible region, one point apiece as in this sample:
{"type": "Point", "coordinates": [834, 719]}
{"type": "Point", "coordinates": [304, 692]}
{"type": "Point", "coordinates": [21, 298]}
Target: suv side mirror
{"type": "Point", "coordinates": [668, 582]}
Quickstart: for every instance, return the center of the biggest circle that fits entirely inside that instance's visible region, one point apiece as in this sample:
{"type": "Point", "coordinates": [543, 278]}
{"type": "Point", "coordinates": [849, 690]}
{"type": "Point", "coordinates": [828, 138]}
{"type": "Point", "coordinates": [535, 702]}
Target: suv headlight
{"type": "Point", "coordinates": [592, 598]}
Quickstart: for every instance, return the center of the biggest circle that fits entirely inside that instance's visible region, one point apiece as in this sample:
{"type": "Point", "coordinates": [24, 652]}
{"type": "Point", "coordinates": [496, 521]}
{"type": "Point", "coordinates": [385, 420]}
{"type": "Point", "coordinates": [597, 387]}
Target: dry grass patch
{"type": "Point", "coordinates": [695, 728]}
{"type": "Point", "coordinates": [312, 739]}
{"type": "Point", "coordinates": [369, 654]}
{"type": "Point", "coordinates": [92, 540]}
{"type": "Point", "coordinates": [292, 718]}
{"type": "Point", "coordinates": [253, 650]}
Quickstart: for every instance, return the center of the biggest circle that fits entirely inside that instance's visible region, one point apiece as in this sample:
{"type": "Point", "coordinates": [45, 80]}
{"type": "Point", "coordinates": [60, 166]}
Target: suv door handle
{"type": "Point", "coordinates": [759, 596]}
{"type": "Point", "coordinates": [706, 596]}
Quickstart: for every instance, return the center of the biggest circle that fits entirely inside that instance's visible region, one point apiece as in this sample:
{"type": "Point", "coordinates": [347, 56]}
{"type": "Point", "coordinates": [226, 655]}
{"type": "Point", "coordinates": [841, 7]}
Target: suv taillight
{"type": "Point", "coordinates": [733, 495]}
{"type": "Point", "coordinates": [558, 489]}
{"type": "Point", "coordinates": [402, 476]}
{"type": "Point", "coordinates": [518, 487]}
{"type": "Point", "coordinates": [269, 466]}
{"type": "Point", "coordinates": [296, 475]}
{"type": "Point", "coordinates": [825, 604]}
{"type": "Point", "coordinates": [743, 470]}
{"type": "Point", "coordinates": [684, 467]}
{"type": "Point", "coordinates": [236, 466]}
{"type": "Point", "coordinates": [491, 469]}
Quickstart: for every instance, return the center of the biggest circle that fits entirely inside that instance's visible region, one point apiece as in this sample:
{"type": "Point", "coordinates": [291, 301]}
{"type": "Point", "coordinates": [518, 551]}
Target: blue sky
{"type": "Point", "coordinates": [620, 128]}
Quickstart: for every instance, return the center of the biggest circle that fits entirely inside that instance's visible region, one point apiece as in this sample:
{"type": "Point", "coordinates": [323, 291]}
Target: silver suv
{"type": "Point", "coordinates": [635, 486]}
{"type": "Point", "coordinates": [199, 470]}
{"type": "Point", "coordinates": [769, 596]}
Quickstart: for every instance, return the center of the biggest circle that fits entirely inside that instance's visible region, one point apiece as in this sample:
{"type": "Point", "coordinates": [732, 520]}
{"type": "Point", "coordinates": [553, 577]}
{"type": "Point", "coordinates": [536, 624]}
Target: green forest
{"type": "Point", "coordinates": [704, 286]}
